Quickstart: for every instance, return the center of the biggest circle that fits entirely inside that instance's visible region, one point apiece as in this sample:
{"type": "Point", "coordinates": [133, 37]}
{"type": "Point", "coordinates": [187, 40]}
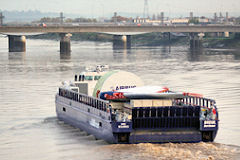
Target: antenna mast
{"type": "Point", "coordinates": [1, 19]}
{"type": "Point", "coordinates": [61, 17]}
{"type": "Point", "coordinates": [145, 10]}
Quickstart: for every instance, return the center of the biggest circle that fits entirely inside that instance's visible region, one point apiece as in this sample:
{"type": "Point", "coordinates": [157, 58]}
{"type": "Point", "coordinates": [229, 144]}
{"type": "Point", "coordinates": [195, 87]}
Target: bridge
{"type": "Point", "coordinates": [17, 40]}
{"type": "Point", "coordinates": [124, 28]}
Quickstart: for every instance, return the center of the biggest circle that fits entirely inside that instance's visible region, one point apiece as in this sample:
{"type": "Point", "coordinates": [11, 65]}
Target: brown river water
{"type": "Point", "coordinates": [29, 81]}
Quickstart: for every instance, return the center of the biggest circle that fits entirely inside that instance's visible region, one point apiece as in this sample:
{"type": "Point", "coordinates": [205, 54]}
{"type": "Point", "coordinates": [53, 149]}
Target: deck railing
{"type": "Point", "coordinates": [198, 101]}
{"type": "Point", "coordinates": [82, 98]}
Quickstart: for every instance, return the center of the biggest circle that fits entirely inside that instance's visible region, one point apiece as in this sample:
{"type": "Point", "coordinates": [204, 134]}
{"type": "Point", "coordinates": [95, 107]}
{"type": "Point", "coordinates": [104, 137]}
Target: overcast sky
{"type": "Point", "coordinates": [104, 7]}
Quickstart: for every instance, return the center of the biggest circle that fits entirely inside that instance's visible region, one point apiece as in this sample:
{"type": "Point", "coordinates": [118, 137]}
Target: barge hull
{"type": "Point", "coordinates": [99, 124]}
{"type": "Point", "coordinates": [77, 118]}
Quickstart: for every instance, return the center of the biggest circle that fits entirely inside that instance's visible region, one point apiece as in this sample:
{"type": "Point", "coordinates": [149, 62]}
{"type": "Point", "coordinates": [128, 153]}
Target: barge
{"type": "Point", "coordinates": [115, 106]}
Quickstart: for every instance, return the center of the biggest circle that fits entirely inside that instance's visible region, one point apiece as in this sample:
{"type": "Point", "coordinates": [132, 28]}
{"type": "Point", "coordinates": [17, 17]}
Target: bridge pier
{"type": "Point", "coordinates": [128, 42]}
{"type": "Point", "coordinates": [167, 36]}
{"type": "Point", "coordinates": [16, 43]}
{"type": "Point", "coordinates": [121, 42]}
{"type": "Point", "coordinates": [65, 42]}
{"type": "Point", "coordinates": [195, 41]}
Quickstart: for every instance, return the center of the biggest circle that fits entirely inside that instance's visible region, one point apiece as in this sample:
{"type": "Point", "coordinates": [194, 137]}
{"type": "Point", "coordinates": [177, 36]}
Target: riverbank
{"type": "Point", "coordinates": [231, 42]}
{"type": "Point", "coordinates": [151, 39]}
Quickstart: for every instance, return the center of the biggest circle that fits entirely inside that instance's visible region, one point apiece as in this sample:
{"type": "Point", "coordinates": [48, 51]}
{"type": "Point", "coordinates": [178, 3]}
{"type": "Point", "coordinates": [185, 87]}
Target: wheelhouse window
{"type": "Point", "coordinates": [97, 77]}
{"type": "Point", "coordinates": [88, 78]}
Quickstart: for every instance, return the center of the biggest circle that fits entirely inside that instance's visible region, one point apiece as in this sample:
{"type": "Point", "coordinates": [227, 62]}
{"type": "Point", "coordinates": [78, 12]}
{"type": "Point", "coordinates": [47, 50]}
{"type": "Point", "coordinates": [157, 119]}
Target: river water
{"type": "Point", "coordinates": [29, 128]}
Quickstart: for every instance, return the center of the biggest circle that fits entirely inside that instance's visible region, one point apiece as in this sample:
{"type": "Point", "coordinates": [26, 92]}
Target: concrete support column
{"type": "Point", "coordinates": [65, 43]}
{"type": "Point", "coordinates": [128, 42]}
{"type": "Point", "coordinates": [169, 36]}
{"type": "Point", "coordinates": [226, 34]}
{"type": "Point", "coordinates": [121, 42]}
{"type": "Point", "coordinates": [16, 43]}
{"type": "Point", "coordinates": [117, 42]}
{"type": "Point", "coordinates": [195, 41]}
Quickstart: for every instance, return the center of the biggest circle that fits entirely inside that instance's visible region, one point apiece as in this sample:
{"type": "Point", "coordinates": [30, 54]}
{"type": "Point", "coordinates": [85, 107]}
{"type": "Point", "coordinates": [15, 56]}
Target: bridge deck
{"type": "Point", "coordinates": [112, 28]}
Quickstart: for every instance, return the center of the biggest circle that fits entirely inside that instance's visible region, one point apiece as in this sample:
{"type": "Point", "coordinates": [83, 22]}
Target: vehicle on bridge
{"type": "Point", "coordinates": [42, 25]}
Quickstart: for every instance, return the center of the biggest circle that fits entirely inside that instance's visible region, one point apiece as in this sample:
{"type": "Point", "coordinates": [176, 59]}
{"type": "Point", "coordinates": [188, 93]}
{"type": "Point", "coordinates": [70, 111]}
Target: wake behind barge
{"type": "Point", "coordinates": [116, 107]}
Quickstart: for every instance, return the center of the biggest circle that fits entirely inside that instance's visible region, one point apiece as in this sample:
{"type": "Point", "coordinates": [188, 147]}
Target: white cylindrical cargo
{"type": "Point", "coordinates": [116, 80]}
